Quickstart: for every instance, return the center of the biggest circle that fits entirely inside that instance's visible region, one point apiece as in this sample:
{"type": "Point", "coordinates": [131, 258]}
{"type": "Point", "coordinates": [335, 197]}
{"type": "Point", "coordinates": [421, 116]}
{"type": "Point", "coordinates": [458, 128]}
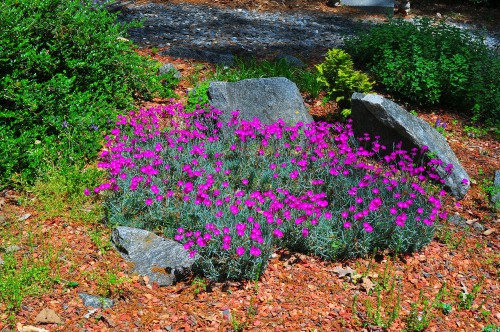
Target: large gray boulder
{"type": "Point", "coordinates": [164, 261]}
{"type": "Point", "coordinates": [378, 116]}
{"type": "Point", "coordinates": [267, 99]}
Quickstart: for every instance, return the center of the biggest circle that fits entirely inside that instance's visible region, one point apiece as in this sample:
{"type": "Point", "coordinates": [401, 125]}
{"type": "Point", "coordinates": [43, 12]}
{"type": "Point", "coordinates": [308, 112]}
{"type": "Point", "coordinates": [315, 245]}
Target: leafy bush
{"type": "Point", "coordinates": [338, 75]}
{"type": "Point", "coordinates": [197, 98]}
{"type": "Point", "coordinates": [432, 64]}
{"type": "Point", "coordinates": [65, 71]}
{"type": "Point", "coordinates": [308, 187]}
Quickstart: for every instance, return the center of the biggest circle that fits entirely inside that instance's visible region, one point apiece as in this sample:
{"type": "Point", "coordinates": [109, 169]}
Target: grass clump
{"type": "Point", "coordinates": [246, 68]}
{"type": "Point", "coordinates": [66, 69]}
{"type": "Point", "coordinates": [232, 201]}
{"type": "Point", "coordinates": [432, 64]}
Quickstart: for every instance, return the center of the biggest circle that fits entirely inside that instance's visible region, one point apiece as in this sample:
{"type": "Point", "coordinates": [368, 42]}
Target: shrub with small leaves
{"type": "Point", "coordinates": [66, 69]}
{"type": "Point", "coordinates": [231, 201]}
{"type": "Point", "coordinates": [429, 64]}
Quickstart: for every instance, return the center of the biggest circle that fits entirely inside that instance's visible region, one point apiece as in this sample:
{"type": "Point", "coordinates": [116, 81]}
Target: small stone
{"type": "Point", "coordinates": [90, 313]}
{"type": "Point", "coordinates": [47, 316]}
{"type": "Point", "coordinates": [478, 227]}
{"type": "Point", "coordinates": [426, 275]}
{"type": "Point", "coordinates": [439, 275]}
{"type": "Point", "coordinates": [458, 220]}
{"type": "Point", "coordinates": [168, 328]}
{"type": "Point", "coordinates": [169, 68]}
{"type": "Point", "coordinates": [95, 301]}
{"type": "Point", "coordinates": [438, 15]}
{"type": "Point", "coordinates": [24, 217]}
{"type": "Point", "coordinates": [12, 248]}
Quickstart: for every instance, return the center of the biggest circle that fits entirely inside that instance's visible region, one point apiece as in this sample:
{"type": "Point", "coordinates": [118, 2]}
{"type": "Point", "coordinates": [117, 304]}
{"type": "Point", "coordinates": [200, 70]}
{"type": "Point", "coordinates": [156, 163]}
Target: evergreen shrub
{"type": "Point", "coordinates": [337, 73]}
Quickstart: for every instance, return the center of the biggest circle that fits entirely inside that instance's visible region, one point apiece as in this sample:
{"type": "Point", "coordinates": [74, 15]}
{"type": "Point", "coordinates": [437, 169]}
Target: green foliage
{"type": "Point", "coordinates": [59, 193]}
{"type": "Point", "coordinates": [466, 299]}
{"type": "Point", "coordinates": [20, 279]}
{"type": "Point", "coordinates": [491, 328]}
{"type": "Point", "coordinates": [306, 80]}
{"type": "Point", "coordinates": [432, 64]}
{"type": "Point", "coordinates": [197, 97]}
{"type": "Point", "coordinates": [418, 320]}
{"type": "Point", "coordinates": [341, 80]}
{"type": "Point", "coordinates": [65, 71]}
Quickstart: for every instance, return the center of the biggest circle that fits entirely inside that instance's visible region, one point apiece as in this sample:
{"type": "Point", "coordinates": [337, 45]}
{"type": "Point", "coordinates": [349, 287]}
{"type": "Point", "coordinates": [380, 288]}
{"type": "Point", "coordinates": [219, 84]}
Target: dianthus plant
{"type": "Point", "coordinates": [233, 192]}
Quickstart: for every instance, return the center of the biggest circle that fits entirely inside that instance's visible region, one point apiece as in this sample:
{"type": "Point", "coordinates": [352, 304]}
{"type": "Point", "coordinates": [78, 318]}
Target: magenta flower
{"type": "Point", "coordinates": [86, 192]}
{"type": "Point", "coordinates": [278, 233]}
{"type": "Point", "coordinates": [368, 228]}
{"type": "Point", "coordinates": [148, 201]}
{"type": "Point", "coordinates": [244, 181]}
{"type": "Point", "coordinates": [240, 251]}
{"type": "Point", "coordinates": [254, 251]}
{"type": "Point", "coordinates": [305, 232]}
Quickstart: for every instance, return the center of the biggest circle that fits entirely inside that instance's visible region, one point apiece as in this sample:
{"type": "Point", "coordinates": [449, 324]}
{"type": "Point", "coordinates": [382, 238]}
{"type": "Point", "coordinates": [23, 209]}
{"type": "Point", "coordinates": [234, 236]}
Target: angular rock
{"type": "Point", "coordinates": [164, 261]}
{"type": "Point", "coordinates": [47, 316]}
{"type": "Point", "coordinates": [267, 99]}
{"type": "Point", "coordinates": [226, 59]}
{"type": "Point", "coordinates": [378, 116]}
{"type": "Point", "coordinates": [95, 301]}
{"type": "Point", "coordinates": [169, 68]}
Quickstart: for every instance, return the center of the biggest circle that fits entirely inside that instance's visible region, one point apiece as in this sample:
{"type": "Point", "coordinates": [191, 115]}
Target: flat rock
{"type": "Point", "coordinates": [376, 115]}
{"type": "Point", "coordinates": [47, 316]}
{"type": "Point", "coordinates": [374, 6]}
{"type": "Point", "coordinates": [162, 260]}
{"type": "Point", "coordinates": [95, 301]}
{"type": "Point", "coordinates": [267, 99]}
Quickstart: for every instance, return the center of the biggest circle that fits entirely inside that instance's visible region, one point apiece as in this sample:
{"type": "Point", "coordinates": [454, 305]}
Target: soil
{"type": "Point", "coordinates": [297, 292]}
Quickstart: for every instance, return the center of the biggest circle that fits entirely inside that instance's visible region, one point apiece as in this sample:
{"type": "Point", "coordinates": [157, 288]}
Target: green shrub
{"type": "Point", "coordinates": [432, 64]}
{"type": "Point", "coordinates": [197, 97]}
{"type": "Point", "coordinates": [65, 71]}
{"type": "Point", "coordinates": [338, 75]}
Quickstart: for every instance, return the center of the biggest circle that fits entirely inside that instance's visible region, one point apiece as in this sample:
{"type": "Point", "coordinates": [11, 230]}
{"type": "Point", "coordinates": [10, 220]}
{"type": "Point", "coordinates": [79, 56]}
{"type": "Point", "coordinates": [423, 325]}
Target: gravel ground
{"type": "Point", "coordinates": [304, 34]}
{"type": "Point", "coordinates": [240, 31]}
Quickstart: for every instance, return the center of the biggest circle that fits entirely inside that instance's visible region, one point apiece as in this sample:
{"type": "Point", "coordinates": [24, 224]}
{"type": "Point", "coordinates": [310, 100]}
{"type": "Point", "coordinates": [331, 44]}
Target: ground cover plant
{"type": "Point", "coordinates": [432, 63]}
{"type": "Point", "coordinates": [245, 68]}
{"type": "Point", "coordinates": [66, 68]}
{"type": "Point", "coordinates": [231, 198]}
